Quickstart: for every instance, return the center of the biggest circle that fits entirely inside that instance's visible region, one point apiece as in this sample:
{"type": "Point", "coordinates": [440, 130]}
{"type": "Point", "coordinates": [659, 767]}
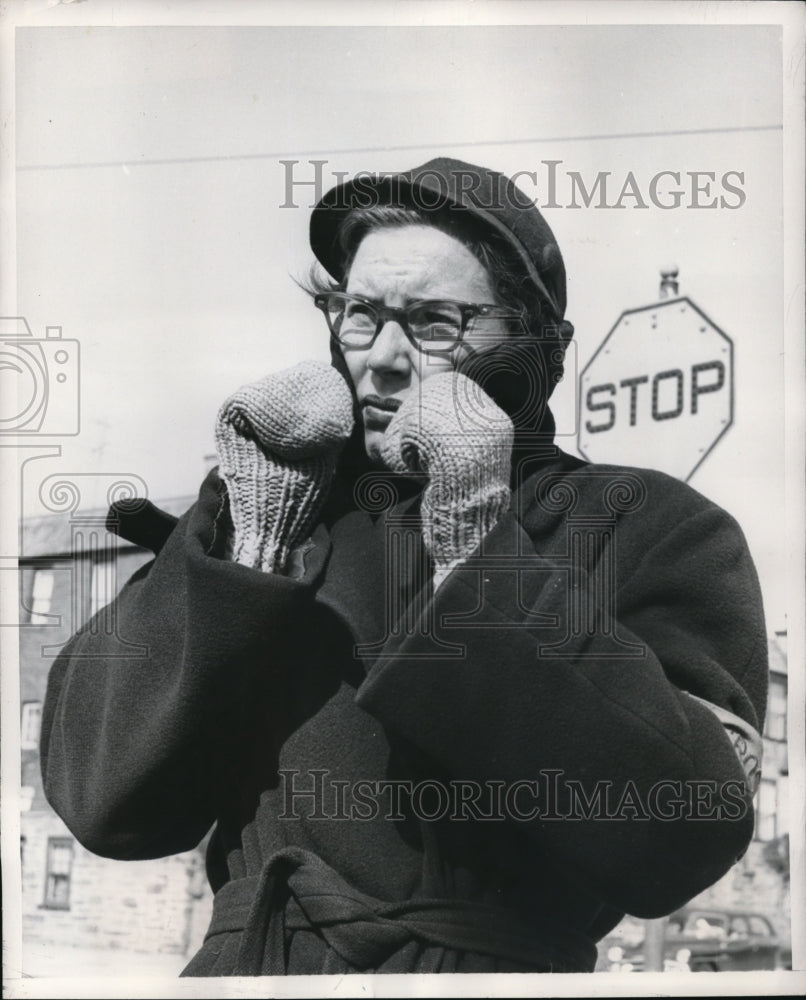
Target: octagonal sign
{"type": "Point", "coordinates": [658, 393]}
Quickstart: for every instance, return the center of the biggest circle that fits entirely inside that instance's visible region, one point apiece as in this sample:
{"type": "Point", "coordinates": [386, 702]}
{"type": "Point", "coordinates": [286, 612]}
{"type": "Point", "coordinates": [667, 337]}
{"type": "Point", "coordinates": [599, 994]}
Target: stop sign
{"type": "Point", "coordinates": [658, 392]}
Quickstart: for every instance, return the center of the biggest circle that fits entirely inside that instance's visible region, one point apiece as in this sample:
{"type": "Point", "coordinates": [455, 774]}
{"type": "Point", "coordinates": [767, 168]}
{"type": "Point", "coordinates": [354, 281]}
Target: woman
{"type": "Point", "coordinates": [454, 700]}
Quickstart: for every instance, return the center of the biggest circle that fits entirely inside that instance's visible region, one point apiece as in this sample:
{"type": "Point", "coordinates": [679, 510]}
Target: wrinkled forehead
{"type": "Point", "coordinates": [417, 261]}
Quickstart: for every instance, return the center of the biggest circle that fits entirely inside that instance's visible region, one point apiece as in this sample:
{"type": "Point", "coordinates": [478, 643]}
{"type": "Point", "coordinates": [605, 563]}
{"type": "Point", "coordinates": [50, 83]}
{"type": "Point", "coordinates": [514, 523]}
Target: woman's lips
{"type": "Point", "coordinates": [379, 410]}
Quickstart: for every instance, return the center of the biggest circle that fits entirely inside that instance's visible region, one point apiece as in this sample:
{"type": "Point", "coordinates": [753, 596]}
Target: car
{"type": "Point", "coordinates": [724, 939]}
{"type": "Point", "coordinates": [698, 939]}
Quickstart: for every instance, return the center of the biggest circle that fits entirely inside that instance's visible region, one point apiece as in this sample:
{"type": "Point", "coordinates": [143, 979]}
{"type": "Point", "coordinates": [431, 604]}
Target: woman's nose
{"type": "Point", "coordinates": [391, 351]}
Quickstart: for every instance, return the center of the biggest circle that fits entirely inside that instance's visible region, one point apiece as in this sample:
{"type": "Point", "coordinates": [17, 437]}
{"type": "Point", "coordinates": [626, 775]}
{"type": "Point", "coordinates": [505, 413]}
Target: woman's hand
{"type": "Point", "coordinates": [278, 441]}
{"type": "Point", "coordinates": [450, 431]}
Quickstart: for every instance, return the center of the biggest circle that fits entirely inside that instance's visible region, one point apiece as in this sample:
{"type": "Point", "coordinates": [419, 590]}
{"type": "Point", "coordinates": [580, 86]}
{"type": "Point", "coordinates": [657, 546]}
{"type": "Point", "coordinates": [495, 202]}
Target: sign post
{"type": "Point", "coordinates": [658, 393]}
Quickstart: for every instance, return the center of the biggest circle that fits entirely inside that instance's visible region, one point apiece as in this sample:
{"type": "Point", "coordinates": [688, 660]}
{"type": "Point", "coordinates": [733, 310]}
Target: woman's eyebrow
{"type": "Point", "coordinates": [364, 289]}
{"type": "Point", "coordinates": [379, 300]}
{"type": "Point", "coordinates": [375, 288]}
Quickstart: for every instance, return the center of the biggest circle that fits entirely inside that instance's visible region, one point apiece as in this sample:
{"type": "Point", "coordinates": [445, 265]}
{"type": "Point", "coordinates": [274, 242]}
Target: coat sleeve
{"type": "Point", "coordinates": [638, 790]}
{"type": "Point", "coordinates": [136, 749]}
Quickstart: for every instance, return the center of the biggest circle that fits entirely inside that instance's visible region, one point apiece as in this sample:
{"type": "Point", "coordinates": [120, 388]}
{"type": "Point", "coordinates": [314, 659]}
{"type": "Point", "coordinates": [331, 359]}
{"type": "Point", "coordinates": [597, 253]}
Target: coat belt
{"type": "Point", "coordinates": [297, 890]}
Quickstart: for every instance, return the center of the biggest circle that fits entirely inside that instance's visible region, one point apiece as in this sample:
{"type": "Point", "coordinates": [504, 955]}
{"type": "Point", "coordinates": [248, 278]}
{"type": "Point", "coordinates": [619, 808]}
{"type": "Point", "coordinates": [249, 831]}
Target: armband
{"type": "Point", "coordinates": [746, 741]}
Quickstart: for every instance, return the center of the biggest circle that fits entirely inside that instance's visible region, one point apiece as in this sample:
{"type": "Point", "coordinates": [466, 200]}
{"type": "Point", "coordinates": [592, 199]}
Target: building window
{"type": "Point", "coordinates": [42, 592]}
{"type": "Point", "coordinates": [765, 809]}
{"type": "Point", "coordinates": [776, 709]}
{"type": "Point", "coordinates": [59, 872]}
{"type": "Point", "coordinates": [30, 725]}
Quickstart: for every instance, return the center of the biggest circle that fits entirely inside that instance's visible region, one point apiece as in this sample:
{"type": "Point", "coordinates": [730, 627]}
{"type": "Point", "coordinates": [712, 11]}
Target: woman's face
{"type": "Point", "coordinates": [394, 267]}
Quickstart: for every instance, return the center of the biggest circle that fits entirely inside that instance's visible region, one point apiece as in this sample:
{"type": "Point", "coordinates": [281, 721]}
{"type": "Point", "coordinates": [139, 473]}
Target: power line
{"type": "Point", "coordinates": [392, 149]}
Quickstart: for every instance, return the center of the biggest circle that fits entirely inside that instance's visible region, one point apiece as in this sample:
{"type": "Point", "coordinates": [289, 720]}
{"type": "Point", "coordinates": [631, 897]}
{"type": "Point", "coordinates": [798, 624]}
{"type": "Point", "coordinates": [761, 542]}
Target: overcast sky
{"type": "Point", "coordinates": [150, 226]}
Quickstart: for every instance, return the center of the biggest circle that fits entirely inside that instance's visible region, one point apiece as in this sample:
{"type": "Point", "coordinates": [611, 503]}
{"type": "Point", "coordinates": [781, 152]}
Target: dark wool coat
{"type": "Point", "coordinates": [480, 780]}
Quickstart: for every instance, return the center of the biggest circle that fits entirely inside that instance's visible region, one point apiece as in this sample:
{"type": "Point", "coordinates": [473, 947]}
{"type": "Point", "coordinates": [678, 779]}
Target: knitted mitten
{"type": "Point", "coordinates": [278, 440]}
{"type": "Point", "coordinates": [453, 433]}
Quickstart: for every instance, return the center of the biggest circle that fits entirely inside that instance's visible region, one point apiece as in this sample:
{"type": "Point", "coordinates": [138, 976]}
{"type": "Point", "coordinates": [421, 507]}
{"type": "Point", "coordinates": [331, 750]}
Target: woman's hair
{"type": "Point", "coordinates": [511, 286]}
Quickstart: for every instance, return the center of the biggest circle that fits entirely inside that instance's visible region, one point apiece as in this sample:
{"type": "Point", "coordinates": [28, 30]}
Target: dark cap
{"type": "Point", "coordinates": [490, 197]}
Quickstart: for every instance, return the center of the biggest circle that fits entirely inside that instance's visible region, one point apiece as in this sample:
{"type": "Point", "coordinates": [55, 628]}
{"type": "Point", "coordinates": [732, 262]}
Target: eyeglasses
{"type": "Point", "coordinates": [431, 326]}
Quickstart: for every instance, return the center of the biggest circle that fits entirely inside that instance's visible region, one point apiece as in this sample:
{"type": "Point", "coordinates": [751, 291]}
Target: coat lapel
{"type": "Point", "coordinates": [376, 569]}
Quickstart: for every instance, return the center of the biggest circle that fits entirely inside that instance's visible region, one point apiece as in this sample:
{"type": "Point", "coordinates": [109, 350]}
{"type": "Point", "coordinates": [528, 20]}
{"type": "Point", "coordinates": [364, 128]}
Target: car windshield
{"type": "Point", "coordinates": [707, 927]}
{"type": "Point", "coordinates": [739, 928]}
{"type": "Point", "coordinates": [759, 926]}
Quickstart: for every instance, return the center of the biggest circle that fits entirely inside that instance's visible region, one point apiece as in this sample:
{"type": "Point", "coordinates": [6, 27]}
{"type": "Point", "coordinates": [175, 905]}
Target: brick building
{"type": "Point", "coordinates": [760, 881]}
{"type": "Point", "coordinates": [82, 910]}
